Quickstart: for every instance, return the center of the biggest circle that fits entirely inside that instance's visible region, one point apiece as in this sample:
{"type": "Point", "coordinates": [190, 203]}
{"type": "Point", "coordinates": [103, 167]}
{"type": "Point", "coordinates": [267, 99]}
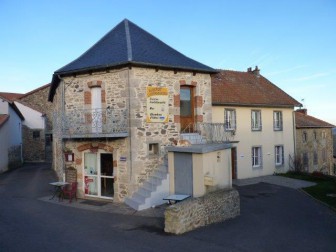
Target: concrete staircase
{"type": "Point", "coordinates": [193, 138]}
{"type": "Point", "coordinates": [152, 192]}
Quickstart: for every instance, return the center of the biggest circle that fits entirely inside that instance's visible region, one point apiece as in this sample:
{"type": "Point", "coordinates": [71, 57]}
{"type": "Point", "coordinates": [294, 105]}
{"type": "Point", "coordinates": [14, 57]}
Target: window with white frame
{"type": "Point", "coordinates": [279, 155]}
{"type": "Point", "coordinates": [256, 157]}
{"type": "Point", "coordinates": [230, 119]}
{"type": "Point", "coordinates": [256, 120]}
{"type": "Point", "coordinates": [277, 120]}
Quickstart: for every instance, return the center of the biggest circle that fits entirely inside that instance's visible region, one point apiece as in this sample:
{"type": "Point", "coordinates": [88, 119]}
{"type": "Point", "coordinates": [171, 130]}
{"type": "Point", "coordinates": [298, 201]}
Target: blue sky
{"type": "Point", "coordinates": [292, 42]}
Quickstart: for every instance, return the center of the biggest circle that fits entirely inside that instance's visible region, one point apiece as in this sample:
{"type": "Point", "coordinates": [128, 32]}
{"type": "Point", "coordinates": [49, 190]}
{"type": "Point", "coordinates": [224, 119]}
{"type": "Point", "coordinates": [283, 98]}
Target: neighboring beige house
{"type": "Point", "coordinates": [119, 105]}
{"type": "Point", "coordinates": [259, 117]}
{"type": "Point", "coordinates": [314, 143]}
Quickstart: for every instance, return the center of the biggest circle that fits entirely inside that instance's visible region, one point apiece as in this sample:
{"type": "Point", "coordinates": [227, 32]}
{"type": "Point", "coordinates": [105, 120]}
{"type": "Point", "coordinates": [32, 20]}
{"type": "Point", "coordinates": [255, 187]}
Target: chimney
{"type": "Point", "coordinates": [256, 71]}
{"type": "Point", "coordinates": [249, 70]}
{"type": "Point", "coordinates": [302, 111]}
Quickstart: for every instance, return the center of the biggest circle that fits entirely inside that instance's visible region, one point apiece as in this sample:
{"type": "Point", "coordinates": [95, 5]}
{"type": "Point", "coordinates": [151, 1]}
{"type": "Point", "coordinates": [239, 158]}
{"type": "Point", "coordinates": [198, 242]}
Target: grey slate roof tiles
{"type": "Point", "coordinates": [126, 44]}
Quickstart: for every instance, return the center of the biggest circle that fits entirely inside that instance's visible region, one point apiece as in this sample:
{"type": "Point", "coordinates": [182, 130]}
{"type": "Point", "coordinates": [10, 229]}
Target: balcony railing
{"type": "Point", "coordinates": [93, 123]}
{"type": "Point", "coordinates": [211, 132]}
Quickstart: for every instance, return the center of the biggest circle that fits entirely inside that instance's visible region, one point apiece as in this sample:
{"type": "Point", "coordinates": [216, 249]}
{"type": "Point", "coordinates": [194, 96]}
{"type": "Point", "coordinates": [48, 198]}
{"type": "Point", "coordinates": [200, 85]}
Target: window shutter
{"type": "Point", "coordinates": [261, 157]}
{"type": "Point", "coordinates": [282, 155]}
{"type": "Point", "coordinates": [225, 120]}
{"type": "Point", "coordinates": [260, 122]}
{"type": "Point", "coordinates": [234, 119]}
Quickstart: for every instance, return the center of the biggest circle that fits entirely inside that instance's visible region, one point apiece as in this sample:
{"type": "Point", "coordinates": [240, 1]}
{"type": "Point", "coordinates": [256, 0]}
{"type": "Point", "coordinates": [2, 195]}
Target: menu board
{"type": "Point", "coordinates": [157, 104]}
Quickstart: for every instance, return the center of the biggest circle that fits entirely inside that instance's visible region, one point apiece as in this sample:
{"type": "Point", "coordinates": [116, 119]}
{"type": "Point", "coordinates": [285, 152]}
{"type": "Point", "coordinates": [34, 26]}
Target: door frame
{"type": "Point", "coordinates": [234, 168]}
{"type": "Point", "coordinates": [98, 176]}
{"type": "Point", "coordinates": [190, 118]}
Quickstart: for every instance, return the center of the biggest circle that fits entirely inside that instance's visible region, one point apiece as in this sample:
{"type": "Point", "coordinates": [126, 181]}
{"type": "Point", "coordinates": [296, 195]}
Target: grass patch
{"type": "Point", "coordinates": [324, 185]}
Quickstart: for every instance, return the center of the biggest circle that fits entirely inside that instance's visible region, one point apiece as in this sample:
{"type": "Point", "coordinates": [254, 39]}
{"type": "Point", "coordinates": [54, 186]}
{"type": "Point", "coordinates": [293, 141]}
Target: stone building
{"type": "Point", "coordinates": [314, 143]}
{"type": "Point", "coordinates": [118, 106]}
{"type": "Point", "coordinates": [37, 128]}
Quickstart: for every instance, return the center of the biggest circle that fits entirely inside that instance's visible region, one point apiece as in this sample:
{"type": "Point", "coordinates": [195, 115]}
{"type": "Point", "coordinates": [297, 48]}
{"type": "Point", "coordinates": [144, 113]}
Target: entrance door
{"type": "Point", "coordinates": [187, 108]}
{"type": "Point", "coordinates": [183, 174]}
{"type": "Point", "coordinates": [98, 175]}
{"type": "Point", "coordinates": [234, 162]}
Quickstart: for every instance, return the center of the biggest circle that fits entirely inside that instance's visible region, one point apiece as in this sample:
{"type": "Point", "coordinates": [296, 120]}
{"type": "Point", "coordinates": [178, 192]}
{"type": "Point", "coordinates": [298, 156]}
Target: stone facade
{"type": "Point", "coordinates": [126, 89]}
{"type": "Point", "coordinates": [38, 100]}
{"type": "Point", "coordinates": [198, 212]}
{"type": "Point", "coordinates": [317, 145]}
{"type": "Point", "coordinates": [33, 145]}
{"type": "Point", "coordinates": [38, 149]}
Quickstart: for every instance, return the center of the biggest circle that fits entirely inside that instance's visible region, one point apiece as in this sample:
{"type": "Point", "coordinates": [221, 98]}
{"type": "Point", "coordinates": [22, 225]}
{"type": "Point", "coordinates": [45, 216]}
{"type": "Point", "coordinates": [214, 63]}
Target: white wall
{"type": "Point", "coordinates": [3, 107]}
{"type": "Point", "coordinates": [267, 139]}
{"type": "Point", "coordinates": [4, 146]}
{"type": "Point", "coordinates": [15, 128]}
{"type": "Point", "coordinates": [33, 118]}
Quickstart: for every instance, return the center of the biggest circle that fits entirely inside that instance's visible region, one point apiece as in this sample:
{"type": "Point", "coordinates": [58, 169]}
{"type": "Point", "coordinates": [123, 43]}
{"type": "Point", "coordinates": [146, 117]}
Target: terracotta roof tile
{"type": "Point", "coordinates": [247, 88]}
{"type": "Point", "coordinates": [10, 96]}
{"type": "Point", "coordinates": [305, 121]}
{"type": "Point", "coordinates": [3, 119]}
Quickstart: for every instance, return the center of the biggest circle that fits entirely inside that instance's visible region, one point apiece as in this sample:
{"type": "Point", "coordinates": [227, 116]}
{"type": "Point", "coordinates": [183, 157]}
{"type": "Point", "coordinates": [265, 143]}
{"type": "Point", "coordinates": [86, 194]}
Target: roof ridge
{"type": "Point", "coordinates": [128, 41]}
{"type": "Point", "coordinates": [82, 55]}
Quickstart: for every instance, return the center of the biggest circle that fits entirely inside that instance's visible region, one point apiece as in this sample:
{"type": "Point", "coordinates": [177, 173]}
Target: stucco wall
{"type": "Point", "coordinates": [267, 138]}
{"type": "Point", "coordinates": [4, 131]}
{"type": "Point", "coordinates": [316, 145]}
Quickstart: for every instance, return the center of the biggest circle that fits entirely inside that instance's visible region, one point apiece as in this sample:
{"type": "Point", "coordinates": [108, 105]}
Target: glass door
{"type": "Point", "coordinates": [98, 175]}
{"type": "Point", "coordinates": [90, 174]}
{"type": "Point", "coordinates": [187, 109]}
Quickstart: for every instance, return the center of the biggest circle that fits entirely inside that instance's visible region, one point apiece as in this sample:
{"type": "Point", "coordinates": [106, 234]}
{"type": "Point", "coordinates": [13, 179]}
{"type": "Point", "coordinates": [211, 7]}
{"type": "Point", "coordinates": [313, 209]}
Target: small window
{"type": "Point", "coordinates": [305, 160]}
{"type": "Point", "coordinates": [315, 160]}
{"type": "Point", "coordinates": [324, 135]}
{"type": "Point", "coordinates": [36, 134]}
{"type": "Point", "coordinates": [153, 149]}
{"type": "Point", "coordinates": [324, 155]}
{"type": "Point", "coordinates": [256, 120]}
{"type": "Point", "coordinates": [230, 119]}
{"type": "Point", "coordinates": [277, 120]}
{"type": "Point", "coordinates": [315, 136]}
{"type": "Point", "coordinates": [304, 137]}
{"type": "Point", "coordinates": [256, 157]}
{"type": "Point", "coordinates": [279, 155]}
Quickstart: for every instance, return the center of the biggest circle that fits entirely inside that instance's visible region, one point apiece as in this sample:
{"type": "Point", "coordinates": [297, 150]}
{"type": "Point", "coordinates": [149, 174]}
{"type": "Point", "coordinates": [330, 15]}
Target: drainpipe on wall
{"type": "Point", "coordinates": [294, 133]}
{"type": "Point", "coordinates": [129, 124]}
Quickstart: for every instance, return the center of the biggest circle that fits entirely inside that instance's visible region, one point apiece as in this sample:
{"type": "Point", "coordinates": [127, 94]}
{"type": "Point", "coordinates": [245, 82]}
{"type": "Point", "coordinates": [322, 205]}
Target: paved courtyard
{"type": "Point", "coordinates": [273, 218]}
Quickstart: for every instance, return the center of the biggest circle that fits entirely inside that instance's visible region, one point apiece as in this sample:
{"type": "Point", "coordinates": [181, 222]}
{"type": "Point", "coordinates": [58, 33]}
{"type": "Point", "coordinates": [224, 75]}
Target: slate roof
{"type": "Point", "coordinates": [303, 120]}
{"type": "Point", "coordinates": [3, 119]}
{"type": "Point", "coordinates": [247, 89]}
{"type": "Point", "coordinates": [128, 44]}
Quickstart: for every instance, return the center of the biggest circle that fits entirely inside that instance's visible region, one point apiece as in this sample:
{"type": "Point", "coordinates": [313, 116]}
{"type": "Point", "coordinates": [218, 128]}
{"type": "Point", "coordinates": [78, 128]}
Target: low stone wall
{"type": "Point", "coordinates": [198, 212]}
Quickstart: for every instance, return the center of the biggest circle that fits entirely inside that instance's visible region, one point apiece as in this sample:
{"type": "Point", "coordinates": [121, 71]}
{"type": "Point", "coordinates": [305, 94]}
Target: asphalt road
{"type": "Point", "coordinates": [273, 218]}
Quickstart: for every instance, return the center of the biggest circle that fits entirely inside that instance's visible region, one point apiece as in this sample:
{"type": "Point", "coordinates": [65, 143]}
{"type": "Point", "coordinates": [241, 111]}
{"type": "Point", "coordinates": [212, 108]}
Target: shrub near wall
{"type": "Point", "coordinates": [198, 212]}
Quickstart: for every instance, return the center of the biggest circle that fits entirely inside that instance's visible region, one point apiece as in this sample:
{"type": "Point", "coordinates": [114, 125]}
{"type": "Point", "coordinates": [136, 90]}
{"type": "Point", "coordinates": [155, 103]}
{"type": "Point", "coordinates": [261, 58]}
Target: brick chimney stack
{"type": "Point", "coordinates": [249, 70]}
{"type": "Point", "coordinates": [256, 71]}
{"type": "Point", "coordinates": [302, 111]}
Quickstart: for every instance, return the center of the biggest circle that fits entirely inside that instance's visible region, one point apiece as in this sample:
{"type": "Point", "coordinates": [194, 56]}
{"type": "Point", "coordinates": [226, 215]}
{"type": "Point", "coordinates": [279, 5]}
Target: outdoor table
{"type": "Point", "coordinates": [58, 189]}
{"type": "Point", "coordinates": [176, 198]}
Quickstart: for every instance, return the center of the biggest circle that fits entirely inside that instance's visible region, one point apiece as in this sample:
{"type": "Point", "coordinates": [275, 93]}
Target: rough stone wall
{"type": "Point", "coordinates": [38, 100]}
{"type": "Point", "coordinates": [14, 157]}
{"type": "Point", "coordinates": [319, 144]}
{"type": "Point", "coordinates": [126, 89]}
{"type": "Point", "coordinates": [33, 149]}
{"type": "Point", "coordinates": [143, 133]}
{"type": "Point", "coordinates": [117, 147]}
{"type": "Point", "coordinates": [198, 212]}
